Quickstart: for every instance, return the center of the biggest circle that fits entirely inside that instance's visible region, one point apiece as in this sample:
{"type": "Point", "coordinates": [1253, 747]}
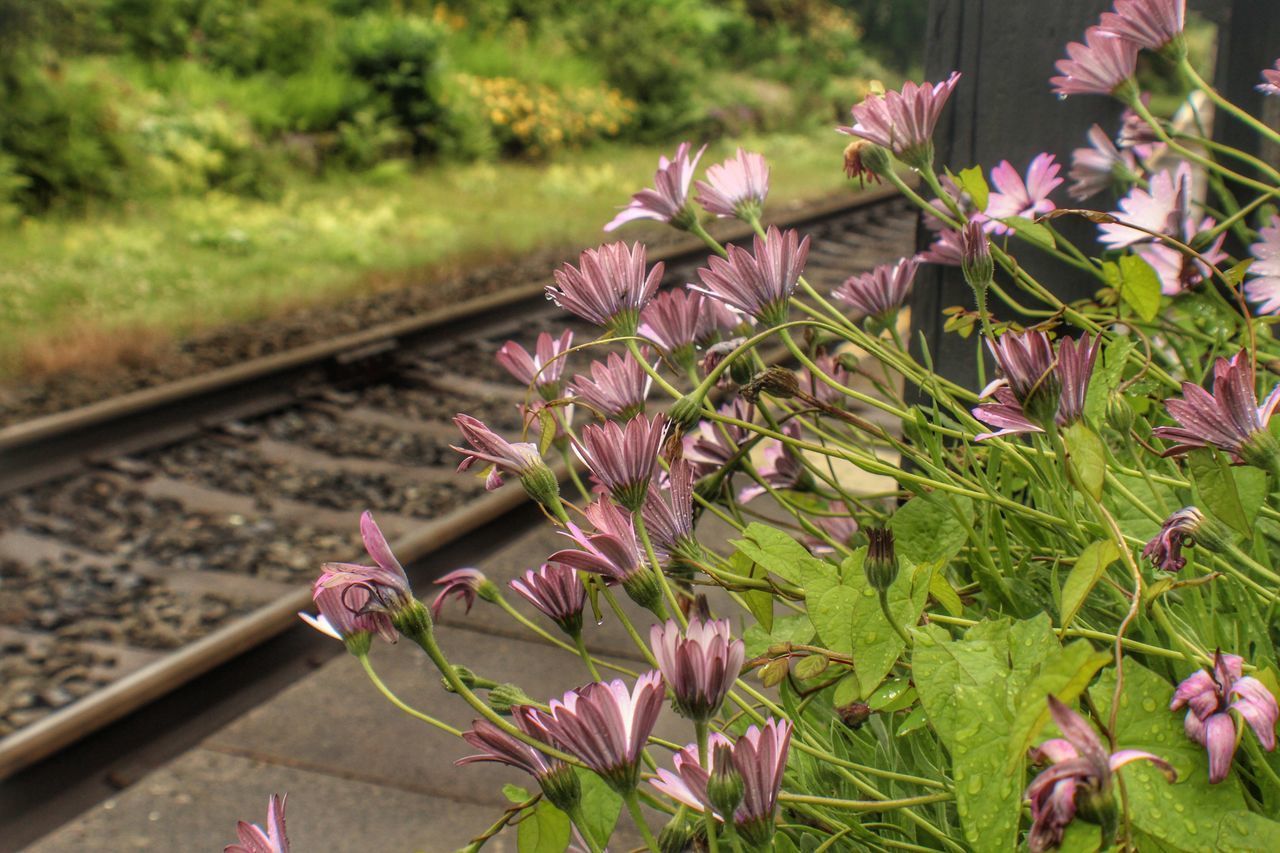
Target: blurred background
{"type": "Point", "coordinates": [168, 166]}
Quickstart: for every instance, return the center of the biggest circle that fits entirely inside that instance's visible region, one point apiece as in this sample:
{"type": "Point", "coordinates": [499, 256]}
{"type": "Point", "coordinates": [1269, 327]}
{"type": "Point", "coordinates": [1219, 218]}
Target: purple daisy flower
{"type": "Point", "coordinates": [758, 283]}
{"type": "Point", "coordinates": [668, 516]}
{"type": "Point", "coordinates": [616, 390]}
{"type": "Point", "coordinates": [613, 552]}
{"type": "Point", "coordinates": [947, 250]}
{"type": "Point", "coordinates": [699, 665]}
{"type": "Point", "coordinates": [623, 458]}
{"type": "Point", "coordinates": [1270, 84]}
{"type": "Point", "coordinates": [1210, 696]}
{"type": "Point", "coordinates": [1099, 66]}
{"type": "Point", "coordinates": [781, 468]}
{"type": "Point", "coordinates": [1263, 286]}
{"type": "Point", "coordinates": [676, 321]}
{"type": "Point", "coordinates": [736, 187]}
{"type": "Point", "coordinates": [520, 458]}
{"type": "Point", "coordinates": [1229, 419]}
{"type": "Point", "coordinates": [384, 585]}
{"type": "Point", "coordinates": [1035, 377]}
{"type": "Point", "coordinates": [715, 444]}
{"type": "Point", "coordinates": [1165, 548]}
{"type": "Point", "coordinates": [557, 591]}
{"type": "Point", "coordinates": [668, 199]}
{"type": "Point", "coordinates": [254, 840]}
{"type": "Point", "coordinates": [1099, 167]}
{"type": "Point", "coordinates": [543, 368]}
{"type": "Point", "coordinates": [609, 286]}
{"type": "Point", "coordinates": [879, 294]}
{"type": "Point", "coordinates": [1017, 197]}
{"type": "Point", "coordinates": [1152, 24]}
{"type": "Point", "coordinates": [464, 585]}
{"type": "Point", "coordinates": [904, 121]}
{"type": "Point", "coordinates": [343, 616]}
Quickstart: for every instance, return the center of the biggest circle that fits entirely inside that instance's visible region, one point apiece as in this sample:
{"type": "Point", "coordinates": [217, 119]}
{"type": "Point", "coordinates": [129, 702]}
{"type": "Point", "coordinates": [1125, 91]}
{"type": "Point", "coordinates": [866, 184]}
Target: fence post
{"type": "Point", "coordinates": [1248, 41]}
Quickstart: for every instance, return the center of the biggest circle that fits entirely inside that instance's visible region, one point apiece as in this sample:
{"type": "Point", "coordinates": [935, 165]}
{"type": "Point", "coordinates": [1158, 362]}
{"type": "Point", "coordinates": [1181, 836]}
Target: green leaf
{"type": "Point", "coordinates": [1236, 274]}
{"type": "Point", "coordinates": [847, 691]}
{"type": "Point", "coordinates": [759, 601]}
{"type": "Point", "coordinates": [600, 806]}
{"type": "Point", "coordinates": [876, 645]}
{"type": "Point", "coordinates": [927, 527]}
{"type": "Point", "coordinates": [1085, 574]}
{"type": "Point", "coordinates": [776, 551]}
{"type": "Point", "coordinates": [1031, 231]}
{"type": "Point", "coordinates": [915, 721]}
{"type": "Point", "coordinates": [1064, 674]}
{"type": "Point", "coordinates": [516, 794]}
{"type": "Point", "coordinates": [939, 666]}
{"type": "Point", "coordinates": [942, 590]}
{"type": "Point", "coordinates": [972, 181]}
{"type": "Point", "coordinates": [987, 798]}
{"type": "Point", "coordinates": [786, 629]}
{"type": "Point", "coordinates": [1251, 486]}
{"type": "Point", "coordinates": [1108, 371]}
{"type": "Point", "coordinates": [1086, 458]}
{"type": "Point", "coordinates": [830, 602]}
{"type": "Point", "coordinates": [546, 430]}
{"type": "Point", "coordinates": [1216, 485]}
{"type": "Point", "coordinates": [894, 695]}
{"type": "Point", "coordinates": [547, 830]}
{"type": "Point", "coordinates": [1139, 286]}
{"type": "Point", "coordinates": [811, 666]}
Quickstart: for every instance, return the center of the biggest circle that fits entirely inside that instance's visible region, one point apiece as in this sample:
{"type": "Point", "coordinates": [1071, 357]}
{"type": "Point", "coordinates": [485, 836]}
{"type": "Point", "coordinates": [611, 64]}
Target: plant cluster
{"type": "Point", "coordinates": [1055, 624]}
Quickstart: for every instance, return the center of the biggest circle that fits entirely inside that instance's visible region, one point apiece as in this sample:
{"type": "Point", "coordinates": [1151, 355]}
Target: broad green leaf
{"type": "Point", "coordinates": [1251, 486]}
{"type": "Point", "coordinates": [1064, 674]}
{"type": "Point", "coordinates": [1085, 574]}
{"type": "Point", "coordinates": [1086, 458]}
{"type": "Point", "coordinates": [546, 430]}
{"type": "Point", "coordinates": [1031, 642]}
{"type": "Point", "coordinates": [1189, 815]}
{"type": "Point", "coordinates": [1139, 286]}
{"type": "Point", "coordinates": [600, 806]}
{"type": "Point", "coordinates": [546, 830]}
{"type": "Point", "coordinates": [516, 794]}
{"type": "Point", "coordinates": [758, 601]}
{"type": "Point", "coordinates": [972, 181]}
{"type": "Point", "coordinates": [988, 799]}
{"type": "Point", "coordinates": [786, 629]}
{"type": "Point", "coordinates": [915, 721]}
{"type": "Point", "coordinates": [847, 691]}
{"type": "Point", "coordinates": [876, 645]}
{"type": "Point", "coordinates": [811, 666]}
{"type": "Point", "coordinates": [942, 590]}
{"type": "Point", "coordinates": [1031, 231]}
{"type": "Point", "coordinates": [1216, 485]}
{"type": "Point", "coordinates": [776, 551]}
{"type": "Point", "coordinates": [830, 600]}
{"type": "Point", "coordinates": [938, 666]}
{"type": "Point", "coordinates": [926, 528]}
{"type": "Point", "coordinates": [894, 695]}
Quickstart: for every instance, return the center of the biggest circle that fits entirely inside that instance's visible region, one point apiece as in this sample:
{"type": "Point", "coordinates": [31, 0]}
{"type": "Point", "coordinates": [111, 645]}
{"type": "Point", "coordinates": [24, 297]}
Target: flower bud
{"type": "Point", "coordinates": [975, 260]}
{"type": "Point", "coordinates": [724, 786]}
{"type": "Point", "coordinates": [1120, 415]}
{"type": "Point", "coordinates": [686, 412]}
{"type": "Point", "coordinates": [540, 483]}
{"type": "Point", "coordinates": [875, 159]}
{"type": "Point", "coordinates": [561, 787]}
{"type": "Point", "coordinates": [677, 836]}
{"type": "Point", "coordinates": [854, 714]}
{"type": "Point", "coordinates": [412, 619]}
{"type": "Point", "coordinates": [881, 564]}
{"type": "Point", "coordinates": [465, 675]}
{"type": "Point", "coordinates": [504, 696]}
{"type": "Point", "coordinates": [643, 588]}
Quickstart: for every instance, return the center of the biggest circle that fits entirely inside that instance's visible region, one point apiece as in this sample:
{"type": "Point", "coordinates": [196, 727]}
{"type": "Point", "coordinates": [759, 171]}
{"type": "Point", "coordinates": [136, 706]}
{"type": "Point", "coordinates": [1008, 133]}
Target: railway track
{"type": "Point", "coordinates": [147, 539]}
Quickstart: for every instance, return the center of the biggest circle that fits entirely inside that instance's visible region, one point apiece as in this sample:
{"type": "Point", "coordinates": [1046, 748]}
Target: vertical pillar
{"type": "Point", "coordinates": [1248, 41]}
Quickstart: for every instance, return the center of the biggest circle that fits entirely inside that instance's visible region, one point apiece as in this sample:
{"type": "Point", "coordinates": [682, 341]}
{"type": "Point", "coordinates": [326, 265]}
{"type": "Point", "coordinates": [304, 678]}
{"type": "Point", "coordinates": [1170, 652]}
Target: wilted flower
{"type": "Point", "coordinates": [616, 389]}
{"type": "Point", "coordinates": [623, 458]}
{"type": "Point", "coordinates": [1100, 66]}
{"type": "Point", "coordinates": [1099, 167]}
{"type": "Point", "coordinates": [1179, 529]}
{"type": "Point", "coordinates": [759, 758]}
{"type": "Point", "coordinates": [1017, 197]}
{"type": "Point", "coordinates": [254, 840]}
{"type": "Point", "coordinates": [668, 200]}
{"type": "Point", "coordinates": [781, 467]}
{"type": "Point", "coordinates": [465, 585]}
{"type": "Point", "coordinates": [668, 516]}
{"type": "Point", "coordinates": [1152, 24]}
{"type": "Point", "coordinates": [1229, 419]}
{"type": "Point", "coordinates": [383, 587]}
{"type": "Point", "coordinates": [903, 121]}
{"type": "Point", "coordinates": [343, 616]}
{"type": "Point", "coordinates": [605, 726]}
{"type": "Point", "coordinates": [879, 294]}
{"type": "Point", "coordinates": [1264, 286]}
{"type": "Point", "coordinates": [557, 591]}
{"type": "Point", "coordinates": [542, 369]}
{"type": "Point", "coordinates": [855, 166]}
{"type": "Point", "coordinates": [1210, 696]}
{"type": "Point", "coordinates": [1078, 780]}
{"type": "Point", "coordinates": [699, 665]}
{"type": "Point", "coordinates": [1270, 84]}
{"type": "Point", "coordinates": [608, 287]}
{"type": "Point", "coordinates": [1036, 384]}
{"type": "Point", "coordinates": [556, 779]}
{"type": "Point", "coordinates": [736, 187]}
{"type": "Point", "coordinates": [758, 283]}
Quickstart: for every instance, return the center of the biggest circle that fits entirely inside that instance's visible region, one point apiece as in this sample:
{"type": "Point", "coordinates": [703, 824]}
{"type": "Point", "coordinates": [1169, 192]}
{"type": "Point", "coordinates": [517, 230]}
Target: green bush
{"type": "Point", "coordinates": [281, 36]}
{"type": "Point", "coordinates": [152, 29]}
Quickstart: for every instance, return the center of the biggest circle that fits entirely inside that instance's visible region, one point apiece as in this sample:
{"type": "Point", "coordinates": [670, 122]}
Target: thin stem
{"type": "Point", "coordinates": [633, 806]}
{"type": "Point", "coordinates": [556, 641]}
{"type": "Point", "coordinates": [395, 700]}
{"type": "Point", "coordinates": [581, 645]}
{"type": "Point", "coordinates": [657, 569]}
{"type": "Point", "coordinates": [702, 732]}
{"type": "Point", "coordinates": [866, 805]}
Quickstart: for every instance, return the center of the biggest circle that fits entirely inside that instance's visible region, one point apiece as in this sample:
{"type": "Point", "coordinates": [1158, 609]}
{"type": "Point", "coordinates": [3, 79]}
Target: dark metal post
{"type": "Point", "coordinates": [1248, 41]}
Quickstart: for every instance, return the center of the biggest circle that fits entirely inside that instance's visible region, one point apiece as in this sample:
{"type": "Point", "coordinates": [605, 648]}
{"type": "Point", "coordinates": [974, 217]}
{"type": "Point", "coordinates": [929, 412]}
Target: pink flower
{"type": "Point", "coordinates": [613, 552]}
{"type": "Point", "coordinates": [623, 458]}
{"type": "Point", "coordinates": [1210, 697]}
{"type": "Point", "coordinates": [347, 620]}
{"type": "Point", "coordinates": [1270, 84]}
{"type": "Point", "coordinates": [1165, 548]}
{"type": "Point", "coordinates": [605, 726]}
{"type": "Point", "coordinates": [1137, 134]}
{"type": "Point", "coordinates": [668, 200]}
{"type": "Point", "coordinates": [617, 389]}
{"type": "Point", "coordinates": [903, 121]}
{"type": "Point", "coordinates": [680, 319]}
{"type": "Point", "coordinates": [557, 591]}
{"type": "Point", "coordinates": [1099, 167]}
{"type": "Point", "coordinates": [1016, 197]}
{"type": "Point", "coordinates": [465, 585]}
{"type": "Point", "coordinates": [1152, 24]}
{"type": "Point", "coordinates": [781, 468]}
{"type": "Point", "coordinates": [699, 665]}
{"type": "Point", "coordinates": [716, 444]}
{"type": "Point", "coordinates": [838, 523]}
{"type": "Point", "coordinates": [1079, 777]}
{"type": "Point", "coordinates": [736, 187]}
{"type": "Point", "coordinates": [254, 840]}
{"type": "Point", "coordinates": [668, 516]}
{"type": "Point", "coordinates": [520, 458]}
{"type": "Point", "coordinates": [1229, 418]}
{"type": "Point", "coordinates": [947, 250]}
{"type": "Point", "coordinates": [758, 283]}
{"type": "Point", "coordinates": [608, 287]}
{"type": "Point", "coordinates": [879, 294]}
{"type": "Point", "coordinates": [543, 369]}
{"type": "Point", "coordinates": [380, 588]}
{"type": "Point", "coordinates": [1036, 384]}
{"type": "Point", "coordinates": [1100, 66]}
{"type": "Point", "coordinates": [1264, 285]}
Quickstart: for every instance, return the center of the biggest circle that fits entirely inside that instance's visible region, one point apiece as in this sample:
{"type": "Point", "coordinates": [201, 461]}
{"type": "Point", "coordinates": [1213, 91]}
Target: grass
{"type": "Point", "coordinates": [112, 285]}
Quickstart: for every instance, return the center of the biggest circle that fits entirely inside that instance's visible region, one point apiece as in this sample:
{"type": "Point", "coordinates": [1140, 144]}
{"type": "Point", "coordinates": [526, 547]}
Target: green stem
{"type": "Point", "coordinates": [1187, 68]}
{"type": "Point", "coordinates": [556, 641]}
{"type": "Point", "coordinates": [395, 700]}
{"type": "Point", "coordinates": [657, 570]}
{"type": "Point", "coordinates": [584, 828]}
{"type": "Point", "coordinates": [866, 805]}
{"type": "Point", "coordinates": [630, 629]}
{"type": "Point", "coordinates": [889, 617]}
{"type": "Point", "coordinates": [633, 806]}
{"type": "Point", "coordinates": [586, 655]}
{"type": "Point", "coordinates": [702, 731]}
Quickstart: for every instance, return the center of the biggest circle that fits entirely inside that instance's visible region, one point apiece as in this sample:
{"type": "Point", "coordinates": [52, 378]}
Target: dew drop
{"type": "Point", "coordinates": [599, 621]}
{"type": "Point", "coordinates": [1191, 827]}
{"type": "Point", "coordinates": [1149, 705]}
{"type": "Point", "coordinates": [975, 785]}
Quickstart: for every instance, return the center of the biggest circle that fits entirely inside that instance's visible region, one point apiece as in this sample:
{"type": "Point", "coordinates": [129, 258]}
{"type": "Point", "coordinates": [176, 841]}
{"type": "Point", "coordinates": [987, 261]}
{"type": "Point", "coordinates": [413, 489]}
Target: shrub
{"type": "Point", "coordinates": [282, 36]}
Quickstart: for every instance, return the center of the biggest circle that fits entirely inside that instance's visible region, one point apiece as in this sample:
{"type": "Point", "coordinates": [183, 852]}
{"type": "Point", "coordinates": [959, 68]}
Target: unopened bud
{"type": "Point", "coordinates": [540, 483]}
{"type": "Point", "coordinates": [724, 785]}
{"type": "Point", "coordinates": [504, 697]}
{"type": "Point", "coordinates": [677, 836]}
{"type": "Point", "coordinates": [1096, 804]}
{"type": "Point", "coordinates": [643, 588]}
{"type": "Point", "coordinates": [411, 618]}
{"type": "Point", "coordinates": [775, 381]}
{"type": "Point", "coordinates": [466, 676]}
{"type": "Point", "coordinates": [854, 714]}
{"type": "Point", "coordinates": [1120, 415]}
{"type": "Point", "coordinates": [975, 259]}
{"type": "Point", "coordinates": [881, 564]}
{"type": "Point", "coordinates": [686, 412]}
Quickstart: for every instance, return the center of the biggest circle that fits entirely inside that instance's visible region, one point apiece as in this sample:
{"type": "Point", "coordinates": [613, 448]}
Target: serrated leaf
{"type": "Point", "coordinates": [1031, 231]}
{"type": "Point", "coordinates": [1139, 286]}
{"type": "Point", "coordinates": [1216, 486]}
{"type": "Point", "coordinates": [988, 799]}
{"type": "Point", "coordinates": [1085, 574]}
{"type": "Point", "coordinates": [1086, 458]}
{"type": "Point", "coordinates": [547, 830]}
{"type": "Point", "coordinates": [972, 181]}
{"type": "Point", "coordinates": [775, 551]}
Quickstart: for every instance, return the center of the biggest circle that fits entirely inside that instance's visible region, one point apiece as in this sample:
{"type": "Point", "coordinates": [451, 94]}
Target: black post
{"type": "Point", "coordinates": [1003, 109]}
{"type": "Point", "coordinates": [1248, 41]}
